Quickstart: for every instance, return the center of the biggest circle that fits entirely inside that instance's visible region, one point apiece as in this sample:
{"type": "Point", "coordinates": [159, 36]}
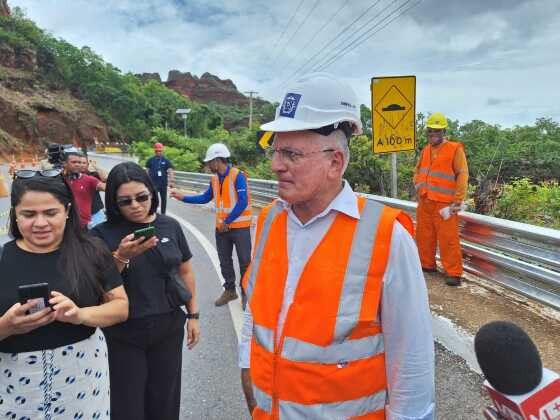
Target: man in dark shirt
{"type": "Point", "coordinates": [97, 207]}
{"type": "Point", "coordinates": [83, 186]}
{"type": "Point", "coordinates": [160, 169]}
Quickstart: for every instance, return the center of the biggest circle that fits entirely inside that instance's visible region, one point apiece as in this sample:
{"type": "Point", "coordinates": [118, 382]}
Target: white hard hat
{"type": "Point", "coordinates": [317, 100]}
{"type": "Point", "coordinates": [217, 150]}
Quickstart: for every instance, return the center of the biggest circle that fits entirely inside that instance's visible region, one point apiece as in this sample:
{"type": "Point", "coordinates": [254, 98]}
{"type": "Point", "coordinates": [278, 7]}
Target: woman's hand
{"type": "Point", "coordinates": [130, 247]}
{"type": "Point", "coordinates": [193, 333]}
{"type": "Point", "coordinates": [65, 309]}
{"type": "Point", "coordinates": [15, 321]}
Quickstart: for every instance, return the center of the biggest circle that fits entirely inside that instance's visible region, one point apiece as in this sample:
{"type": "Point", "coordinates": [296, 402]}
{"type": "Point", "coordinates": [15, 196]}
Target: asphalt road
{"type": "Point", "coordinates": [211, 386]}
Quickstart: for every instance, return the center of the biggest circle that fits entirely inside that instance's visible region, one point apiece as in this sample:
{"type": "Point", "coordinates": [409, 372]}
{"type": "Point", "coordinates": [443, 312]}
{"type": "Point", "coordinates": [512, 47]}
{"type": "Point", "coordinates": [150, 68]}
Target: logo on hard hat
{"type": "Point", "coordinates": [289, 106]}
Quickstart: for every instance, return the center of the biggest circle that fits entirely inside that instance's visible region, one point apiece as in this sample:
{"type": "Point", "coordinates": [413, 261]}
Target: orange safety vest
{"type": "Point", "coordinates": [436, 179]}
{"type": "Point", "coordinates": [329, 360]}
{"type": "Point", "coordinates": [225, 198]}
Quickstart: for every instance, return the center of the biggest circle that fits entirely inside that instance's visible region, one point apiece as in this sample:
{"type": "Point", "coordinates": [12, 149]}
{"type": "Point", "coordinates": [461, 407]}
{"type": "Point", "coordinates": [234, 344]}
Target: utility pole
{"type": "Point", "coordinates": [251, 93]}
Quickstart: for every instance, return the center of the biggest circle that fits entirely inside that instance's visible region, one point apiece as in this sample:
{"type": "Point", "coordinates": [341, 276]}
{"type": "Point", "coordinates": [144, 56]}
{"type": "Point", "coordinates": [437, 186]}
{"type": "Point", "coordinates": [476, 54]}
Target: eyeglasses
{"type": "Point", "coordinates": [292, 155]}
{"type": "Point", "coordinates": [141, 198]}
{"type": "Point", "coordinates": [434, 131]}
{"type": "Point", "coordinates": [30, 173]}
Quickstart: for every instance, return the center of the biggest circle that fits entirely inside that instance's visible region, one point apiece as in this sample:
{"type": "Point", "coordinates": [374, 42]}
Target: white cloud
{"type": "Point", "coordinates": [494, 61]}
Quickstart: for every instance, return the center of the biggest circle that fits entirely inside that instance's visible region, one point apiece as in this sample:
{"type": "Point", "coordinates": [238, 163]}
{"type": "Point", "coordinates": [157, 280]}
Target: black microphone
{"type": "Point", "coordinates": [515, 379]}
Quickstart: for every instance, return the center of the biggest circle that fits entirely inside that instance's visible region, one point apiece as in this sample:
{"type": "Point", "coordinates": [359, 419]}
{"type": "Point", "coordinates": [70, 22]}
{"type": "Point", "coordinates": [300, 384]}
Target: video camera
{"type": "Point", "coordinates": [55, 154]}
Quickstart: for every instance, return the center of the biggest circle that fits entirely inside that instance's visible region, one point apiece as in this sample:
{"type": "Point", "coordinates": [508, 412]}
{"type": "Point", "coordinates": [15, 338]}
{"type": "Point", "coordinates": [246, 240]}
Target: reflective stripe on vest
{"type": "Point", "coordinates": [360, 258]}
{"type": "Point", "coordinates": [256, 262]}
{"type": "Point", "coordinates": [263, 400]}
{"type": "Point", "coordinates": [225, 198]}
{"type": "Point", "coordinates": [338, 410]}
{"type": "Point", "coordinates": [436, 179]}
{"type": "Point", "coordinates": [346, 351]}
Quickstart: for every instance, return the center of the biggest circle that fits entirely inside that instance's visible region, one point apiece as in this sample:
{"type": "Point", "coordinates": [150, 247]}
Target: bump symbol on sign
{"type": "Point", "coordinates": [393, 107]}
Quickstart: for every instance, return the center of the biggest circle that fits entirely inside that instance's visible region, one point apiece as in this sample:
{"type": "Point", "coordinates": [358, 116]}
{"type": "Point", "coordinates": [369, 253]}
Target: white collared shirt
{"type": "Point", "coordinates": [404, 311]}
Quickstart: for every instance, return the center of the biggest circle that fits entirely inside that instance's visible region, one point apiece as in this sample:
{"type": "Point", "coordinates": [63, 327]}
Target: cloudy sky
{"type": "Point", "coordinates": [494, 60]}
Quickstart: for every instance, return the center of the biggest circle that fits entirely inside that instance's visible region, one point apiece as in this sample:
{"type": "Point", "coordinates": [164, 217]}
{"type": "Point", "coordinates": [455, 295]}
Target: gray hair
{"type": "Point", "coordinates": [338, 139]}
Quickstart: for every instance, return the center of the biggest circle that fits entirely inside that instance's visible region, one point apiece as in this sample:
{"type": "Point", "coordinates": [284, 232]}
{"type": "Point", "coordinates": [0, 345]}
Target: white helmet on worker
{"type": "Point", "coordinates": [315, 101]}
{"type": "Point", "coordinates": [217, 150]}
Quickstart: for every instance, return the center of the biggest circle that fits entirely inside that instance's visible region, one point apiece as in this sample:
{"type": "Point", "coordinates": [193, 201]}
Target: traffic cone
{"type": "Point", "coordinates": [3, 187]}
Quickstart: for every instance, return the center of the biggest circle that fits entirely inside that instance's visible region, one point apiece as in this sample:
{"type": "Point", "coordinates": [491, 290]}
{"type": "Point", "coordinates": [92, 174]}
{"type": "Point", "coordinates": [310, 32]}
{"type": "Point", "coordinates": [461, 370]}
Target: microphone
{"type": "Point", "coordinates": [519, 386]}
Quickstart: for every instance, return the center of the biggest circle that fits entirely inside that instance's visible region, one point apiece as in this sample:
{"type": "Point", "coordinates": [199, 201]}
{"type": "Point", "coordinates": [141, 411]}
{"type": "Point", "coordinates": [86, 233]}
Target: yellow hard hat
{"type": "Point", "coordinates": [437, 120]}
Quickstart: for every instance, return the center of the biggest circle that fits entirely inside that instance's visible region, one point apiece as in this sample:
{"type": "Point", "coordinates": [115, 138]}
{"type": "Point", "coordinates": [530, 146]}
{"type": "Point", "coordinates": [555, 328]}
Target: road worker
{"type": "Point", "coordinates": [228, 188]}
{"type": "Point", "coordinates": [441, 182]}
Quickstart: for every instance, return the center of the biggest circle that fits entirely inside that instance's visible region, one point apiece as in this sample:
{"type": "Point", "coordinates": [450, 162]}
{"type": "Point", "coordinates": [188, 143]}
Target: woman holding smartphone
{"type": "Point", "coordinates": [53, 359]}
{"type": "Point", "coordinates": [145, 352]}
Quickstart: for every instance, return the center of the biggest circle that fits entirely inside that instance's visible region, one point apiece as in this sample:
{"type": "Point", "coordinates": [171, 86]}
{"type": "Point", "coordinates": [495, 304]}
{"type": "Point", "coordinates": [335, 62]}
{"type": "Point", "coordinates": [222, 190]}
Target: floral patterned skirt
{"type": "Point", "coordinates": [68, 382]}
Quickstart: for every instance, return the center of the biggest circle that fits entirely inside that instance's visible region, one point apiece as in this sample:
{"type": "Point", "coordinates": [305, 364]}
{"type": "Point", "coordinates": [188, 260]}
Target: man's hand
{"type": "Point", "coordinates": [177, 194]}
{"type": "Point", "coordinates": [247, 386]}
{"type": "Point", "coordinates": [455, 207]}
{"type": "Point", "coordinates": [223, 227]}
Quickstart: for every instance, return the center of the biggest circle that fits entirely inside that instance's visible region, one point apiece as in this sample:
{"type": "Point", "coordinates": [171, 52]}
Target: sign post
{"type": "Point", "coordinates": [183, 112]}
{"type": "Point", "coordinates": [393, 118]}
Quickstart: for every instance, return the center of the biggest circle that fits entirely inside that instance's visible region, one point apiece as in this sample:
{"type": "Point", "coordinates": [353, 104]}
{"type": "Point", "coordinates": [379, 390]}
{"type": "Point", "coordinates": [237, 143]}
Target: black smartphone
{"type": "Point", "coordinates": [34, 291]}
{"type": "Point", "coordinates": [145, 232]}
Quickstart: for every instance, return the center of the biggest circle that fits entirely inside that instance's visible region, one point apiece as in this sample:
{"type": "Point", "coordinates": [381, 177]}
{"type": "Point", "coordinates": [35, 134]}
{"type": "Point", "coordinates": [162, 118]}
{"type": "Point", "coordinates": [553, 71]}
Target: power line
{"type": "Point", "coordinates": [329, 20]}
{"type": "Point", "coordinates": [351, 48]}
{"type": "Point", "coordinates": [286, 27]}
{"type": "Point", "coordinates": [341, 45]}
{"type": "Point", "coordinates": [298, 28]}
{"type": "Point", "coordinates": [343, 41]}
{"type": "Point", "coordinates": [304, 65]}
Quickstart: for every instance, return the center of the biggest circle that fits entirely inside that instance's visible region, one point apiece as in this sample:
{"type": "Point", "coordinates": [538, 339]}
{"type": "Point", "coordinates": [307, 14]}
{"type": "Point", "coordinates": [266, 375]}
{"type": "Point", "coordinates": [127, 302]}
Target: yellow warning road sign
{"type": "Point", "coordinates": [264, 139]}
{"type": "Point", "coordinates": [393, 113]}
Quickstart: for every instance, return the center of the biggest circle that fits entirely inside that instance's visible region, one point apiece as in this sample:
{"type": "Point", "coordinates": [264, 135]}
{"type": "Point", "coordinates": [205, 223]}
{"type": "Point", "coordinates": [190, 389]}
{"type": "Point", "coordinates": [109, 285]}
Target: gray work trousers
{"type": "Point", "coordinates": [225, 241]}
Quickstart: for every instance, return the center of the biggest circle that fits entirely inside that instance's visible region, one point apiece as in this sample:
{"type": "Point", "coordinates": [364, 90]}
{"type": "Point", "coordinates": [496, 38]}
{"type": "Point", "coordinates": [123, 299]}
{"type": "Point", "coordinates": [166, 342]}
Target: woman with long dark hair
{"type": "Point", "coordinates": [53, 358]}
{"type": "Point", "coordinates": [145, 352]}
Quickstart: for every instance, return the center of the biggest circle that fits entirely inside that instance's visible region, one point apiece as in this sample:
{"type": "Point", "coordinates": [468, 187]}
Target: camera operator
{"type": "Point", "coordinates": [89, 167]}
{"type": "Point", "coordinates": [84, 187]}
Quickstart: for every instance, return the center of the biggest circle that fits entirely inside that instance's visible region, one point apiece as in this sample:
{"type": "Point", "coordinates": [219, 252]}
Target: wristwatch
{"type": "Point", "coordinates": [194, 315]}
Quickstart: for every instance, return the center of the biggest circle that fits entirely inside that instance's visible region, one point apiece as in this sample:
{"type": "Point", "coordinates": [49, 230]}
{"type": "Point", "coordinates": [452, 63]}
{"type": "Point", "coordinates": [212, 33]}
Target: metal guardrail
{"type": "Point", "coordinates": [518, 256]}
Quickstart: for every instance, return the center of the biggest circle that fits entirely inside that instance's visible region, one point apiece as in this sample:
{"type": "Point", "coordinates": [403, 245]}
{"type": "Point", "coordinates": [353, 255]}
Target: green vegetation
{"type": "Point", "coordinates": [514, 171]}
{"type": "Point", "coordinates": [130, 108]}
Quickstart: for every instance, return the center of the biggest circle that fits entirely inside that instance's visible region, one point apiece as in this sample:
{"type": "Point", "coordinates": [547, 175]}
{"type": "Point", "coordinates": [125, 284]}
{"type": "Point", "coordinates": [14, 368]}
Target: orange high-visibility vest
{"type": "Point", "coordinates": [329, 361]}
{"type": "Point", "coordinates": [225, 198]}
{"type": "Point", "coordinates": [436, 179]}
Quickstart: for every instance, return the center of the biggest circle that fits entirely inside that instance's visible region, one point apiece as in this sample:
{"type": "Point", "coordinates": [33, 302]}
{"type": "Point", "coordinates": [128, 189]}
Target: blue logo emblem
{"type": "Point", "coordinates": [289, 106]}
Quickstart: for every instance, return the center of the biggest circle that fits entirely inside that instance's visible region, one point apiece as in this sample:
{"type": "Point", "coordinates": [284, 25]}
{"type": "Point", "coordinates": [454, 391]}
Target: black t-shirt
{"type": "Point", "coordinates": [144, 279]}
{"type": "Point", "coordinates": [97, 202]}
{"type": "Point", "coordinates": [19, 267]}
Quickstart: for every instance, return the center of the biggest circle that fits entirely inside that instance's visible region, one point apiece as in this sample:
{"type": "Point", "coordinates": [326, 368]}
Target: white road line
{"type": "Point", "coordinates": [234, 305]}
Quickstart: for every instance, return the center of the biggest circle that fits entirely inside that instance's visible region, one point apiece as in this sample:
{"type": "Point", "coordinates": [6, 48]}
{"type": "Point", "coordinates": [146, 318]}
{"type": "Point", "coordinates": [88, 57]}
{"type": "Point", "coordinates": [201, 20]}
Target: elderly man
{"type": "Point", "coordinates": [337, 323]}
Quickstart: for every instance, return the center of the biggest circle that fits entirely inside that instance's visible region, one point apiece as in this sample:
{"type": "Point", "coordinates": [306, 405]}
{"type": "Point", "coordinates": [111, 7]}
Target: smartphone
{"type": "Point", "coordinates": [145, 232]}
{"type": "Point", "coordinates": [34, 291]}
